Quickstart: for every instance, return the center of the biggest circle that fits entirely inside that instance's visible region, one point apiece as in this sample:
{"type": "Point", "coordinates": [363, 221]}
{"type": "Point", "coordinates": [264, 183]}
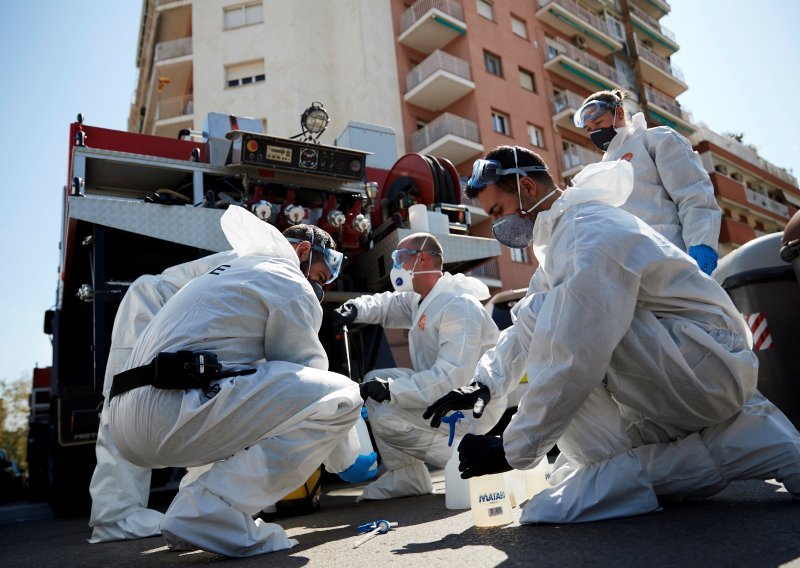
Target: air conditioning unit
{"type": "Point", "coordinates": [579, 42]}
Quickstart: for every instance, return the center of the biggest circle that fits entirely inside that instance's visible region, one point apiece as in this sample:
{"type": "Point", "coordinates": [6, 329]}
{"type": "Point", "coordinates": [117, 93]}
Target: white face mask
{"type": "Point", "coordinates": [403, 279]}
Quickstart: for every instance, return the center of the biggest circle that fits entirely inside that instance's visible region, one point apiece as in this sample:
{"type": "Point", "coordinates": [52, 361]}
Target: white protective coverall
{"type": "Point", "coordinates": [671, 190]}
{"type": "Point", "coordinates": [265, 433]}
{"type": "Point", "coordinates": [639, 366]}
{"type": "Point", "coordinates": [449, 330]}
{"type": "Point", "coordinates": [119, 489]}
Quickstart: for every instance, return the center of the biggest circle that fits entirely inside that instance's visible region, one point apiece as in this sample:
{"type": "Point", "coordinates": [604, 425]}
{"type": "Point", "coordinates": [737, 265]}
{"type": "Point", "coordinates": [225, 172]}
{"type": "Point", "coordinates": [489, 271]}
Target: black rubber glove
{"type": "Point", "coordinates": [344, 315]}
{"type": "Point", "coordinates": [378, 389]}
{"type": "Point", "coordinates": [481, 455]}
{"type": "Point", "coordinates": [475, 396]}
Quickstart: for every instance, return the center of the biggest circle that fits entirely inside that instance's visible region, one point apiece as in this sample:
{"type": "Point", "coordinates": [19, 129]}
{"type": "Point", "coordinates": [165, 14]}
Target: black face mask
{"type": "Point", "coordinates": [602, 137]}
{"type": "Point", "coordinates": [318, 291]}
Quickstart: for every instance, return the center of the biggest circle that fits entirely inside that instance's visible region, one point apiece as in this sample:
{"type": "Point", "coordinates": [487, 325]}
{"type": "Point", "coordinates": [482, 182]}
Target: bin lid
{"type": "Point", "coordinates": [760, 253]}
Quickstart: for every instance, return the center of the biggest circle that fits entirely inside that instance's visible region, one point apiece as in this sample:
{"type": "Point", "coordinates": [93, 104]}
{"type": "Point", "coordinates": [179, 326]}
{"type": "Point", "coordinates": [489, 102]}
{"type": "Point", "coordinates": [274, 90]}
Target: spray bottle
{"type": "Point", "coordinates": [456, 489]}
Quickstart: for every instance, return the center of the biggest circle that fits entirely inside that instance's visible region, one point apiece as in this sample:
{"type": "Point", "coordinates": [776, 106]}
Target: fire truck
{"type": "Point", "coordinates": [136, 204]}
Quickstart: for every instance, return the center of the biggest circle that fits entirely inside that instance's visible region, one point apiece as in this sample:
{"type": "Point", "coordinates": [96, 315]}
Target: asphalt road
{"type": "Point", "coordinates": [750, 524]}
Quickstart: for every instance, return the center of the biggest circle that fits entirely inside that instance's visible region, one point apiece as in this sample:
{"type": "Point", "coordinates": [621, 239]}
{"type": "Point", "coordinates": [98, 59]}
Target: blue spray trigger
{"type": "Point", "coordinates": [452, 420]}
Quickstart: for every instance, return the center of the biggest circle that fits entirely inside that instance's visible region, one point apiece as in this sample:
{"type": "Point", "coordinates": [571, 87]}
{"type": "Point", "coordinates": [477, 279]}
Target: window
{"type": "Point", "coordinates": [421, 123]}
{"type": "Point", "coordinates": [520, 255]}
{"type": "Point", "coordinates": [485, 9]}
{"type": "Point", "coordinates": [244, 73]}
{"type": "Point", "coordinates": [240, 16]}
{"type": "Point", "coordinates": [536, 136]}
{"type": "Point", "coordinates": [519, 27]}
{"type": "Point", "coordinates": [526, 80]}
{"type": "Point", "coordinates": [493, 63]}
{"type": "Point", "coordinates": [500, 123]}
{"type": "Point", "coordinates": [615, 27]}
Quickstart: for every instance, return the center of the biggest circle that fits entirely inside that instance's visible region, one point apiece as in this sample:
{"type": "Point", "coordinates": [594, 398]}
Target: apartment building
{"type": "Point", "coordinates": [452, 78]}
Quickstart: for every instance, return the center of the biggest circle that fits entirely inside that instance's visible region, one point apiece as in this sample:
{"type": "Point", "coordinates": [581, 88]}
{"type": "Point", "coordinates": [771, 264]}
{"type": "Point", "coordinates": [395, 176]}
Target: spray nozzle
{"type": "Point", "coordinates": [452, 420]}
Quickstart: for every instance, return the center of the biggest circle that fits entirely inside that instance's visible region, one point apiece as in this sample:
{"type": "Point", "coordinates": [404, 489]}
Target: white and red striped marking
{"type": "Point", "coordinates": [758, 326]}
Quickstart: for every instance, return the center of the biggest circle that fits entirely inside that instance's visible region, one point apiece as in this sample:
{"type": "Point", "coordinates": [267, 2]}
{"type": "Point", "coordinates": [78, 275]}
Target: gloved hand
{"type": "Point", "coordinates": [705, 257]}
{"type": "Point", "coordinates": [359, 471]}
{"type": "Point", "coordinates": [475, 396]}
{"type": "Point", "coordinates": [344, 315]}
{"type": "Point", "coordinates": [378, 389]}
{"type": "Point", "coordinates": [481, 455]}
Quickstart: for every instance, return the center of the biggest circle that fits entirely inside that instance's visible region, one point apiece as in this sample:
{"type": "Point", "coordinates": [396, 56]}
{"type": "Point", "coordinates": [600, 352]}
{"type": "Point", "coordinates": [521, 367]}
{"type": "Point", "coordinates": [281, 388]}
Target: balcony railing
{"type": "Point", "coordinates": [422, 7]}
{"type": "Point", "coordinates": [667, 103]}
{"type": "Point", "coordinates": [173, 48]}
{"type": "Point", "coordinates": [566, 99]}
{"type": "Point", "coordinates": [652, 22]}
{"type": "Point", "coordinates": [659, 61]}
{"type": "Point", "coordinates": [556, 47]}
{"type": "Point", "coordinates": [445, 124]}
{"type": "Point", "coordinates": [742, 151]}
{"type": "Point", "coordinates": [437, 61]}
{"type": "Point", "coordinates": [174, 107]}
{"type": "Point", "coordinates": [579, 156]}
{"type": "Point", "coordinates": [581, 11]}
{"type": "Point", "coordinates": [765, 202]}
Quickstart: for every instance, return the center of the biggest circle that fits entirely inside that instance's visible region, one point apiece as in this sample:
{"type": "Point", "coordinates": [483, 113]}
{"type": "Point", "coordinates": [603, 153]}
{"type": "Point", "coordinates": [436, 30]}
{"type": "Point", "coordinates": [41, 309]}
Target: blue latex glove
{"type": "Point", "coordinates": [705, 257]}
{"type": "Point", "coordinates": [364, 413]}
{"type": "Point", "coordinates": [360, 470]}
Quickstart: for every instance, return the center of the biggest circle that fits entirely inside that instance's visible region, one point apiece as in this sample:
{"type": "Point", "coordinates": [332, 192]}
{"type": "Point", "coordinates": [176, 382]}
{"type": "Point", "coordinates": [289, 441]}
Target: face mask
{"type": "Point", "coordinates": [318, 291]}
{"type": "Point", "coordinates": [516, 230]}
{"type": "Point", "coordinates": [402, 278]}
{"type": "Point", "coordinates": [602, 137]}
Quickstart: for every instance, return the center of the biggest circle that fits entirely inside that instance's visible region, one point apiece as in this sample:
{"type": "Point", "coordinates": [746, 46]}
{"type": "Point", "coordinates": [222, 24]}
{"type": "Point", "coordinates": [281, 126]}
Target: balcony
{"type": "Point", "coordinates": [576, 157]}
{"type": "Point", "coordinates": [654, 8]}
{"type": "Point", "coordinates": [439, 81]}
{"type": "Point", "coordinates": [735, 232]}
{"type": "Point", "coordinates": [565, 105]}
{"type": "Point", "coordinates": [488, 273]}
{"type": "Point", "coordinates": [663, 40]}
{"type": "Point", "coordinates": [429, 25]}
{"type": "Point", "coordinates": [173, 48]}
{"type": "Point", "coordinates": [579, 67]}
{"type": "Point", "coordinates": [765, 202]}
{"type": "Point", "coordinates": [668, 112]}
{"type": "Point", "coordinates": [734, 192]}
{"type": "Point", "coordinates": [449, 136]}
{"type": "Point", "coordinates": [659, 72]}
{"type": "Point", "coordinates": [572, 17]}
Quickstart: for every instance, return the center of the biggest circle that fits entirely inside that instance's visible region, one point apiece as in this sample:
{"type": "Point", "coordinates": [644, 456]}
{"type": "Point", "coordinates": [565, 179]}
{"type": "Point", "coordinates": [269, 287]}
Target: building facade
{"type": "Point", "coordinates": [452, 78]}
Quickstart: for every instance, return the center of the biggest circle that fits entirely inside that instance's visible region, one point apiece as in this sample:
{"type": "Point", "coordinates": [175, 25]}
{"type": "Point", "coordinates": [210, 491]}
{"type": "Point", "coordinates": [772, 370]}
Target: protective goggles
{"type": "Point", "coordinates": [590, 111]}
{"type": "Point", "coordinates": [487, 172]}
{"type": "Point", "coordinates": [333, 259]}
{"type": "Point", "coordinates": [399, 255]}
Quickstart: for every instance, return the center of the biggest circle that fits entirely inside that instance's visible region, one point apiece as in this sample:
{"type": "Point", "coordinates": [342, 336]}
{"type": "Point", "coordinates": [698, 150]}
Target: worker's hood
{"type": "Point", "coordinates": [461, 282]}
{"type": "Point", "coordinates": [248, 235]}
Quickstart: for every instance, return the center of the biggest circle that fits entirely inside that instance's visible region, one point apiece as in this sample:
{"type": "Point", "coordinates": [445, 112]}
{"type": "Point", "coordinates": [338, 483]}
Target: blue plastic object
{"type": "Point", "coordinates": [452, 420]}
{"type": "Point", "coordinates": [381, 524]}
{"type": "Point", "coordinates": [360, 470]}
{"type": "Point", "coordinates": [705, 257]}
{"type": "Point", "coordinates": [364, 412]}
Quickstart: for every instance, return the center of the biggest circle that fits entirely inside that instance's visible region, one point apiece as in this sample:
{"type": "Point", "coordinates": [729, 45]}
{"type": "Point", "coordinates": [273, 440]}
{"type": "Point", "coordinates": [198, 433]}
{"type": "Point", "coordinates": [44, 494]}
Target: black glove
{"type": "Point", "coordinates": [481, 455]}
{"type": "Point", "coordinates": [344, 315]}
{"type": "Point", "coordinates": [378, 389]}
{"type": "Point", "coordinates": [474, 396]}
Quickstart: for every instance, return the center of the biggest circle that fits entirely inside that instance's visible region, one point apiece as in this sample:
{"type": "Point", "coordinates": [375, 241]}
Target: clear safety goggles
{"type": "Point", "coordinates": [333, 259]}
{"type": "Point", "coordinates": [487, 172]}
{"type": "Point", "coordinates": [590, 111]}
{"type": "Point", "coordinates": [399, 256]}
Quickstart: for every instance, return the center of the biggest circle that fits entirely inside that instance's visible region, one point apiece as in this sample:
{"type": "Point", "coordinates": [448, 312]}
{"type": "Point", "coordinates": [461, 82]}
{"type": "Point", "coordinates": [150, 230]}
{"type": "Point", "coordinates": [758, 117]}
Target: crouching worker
{"type": "Point", "coordinates": [448, 332]}
{"type": "Point", "coordinates": [639, 365]}
{"type": "Point", "coordinates": [271, 412]}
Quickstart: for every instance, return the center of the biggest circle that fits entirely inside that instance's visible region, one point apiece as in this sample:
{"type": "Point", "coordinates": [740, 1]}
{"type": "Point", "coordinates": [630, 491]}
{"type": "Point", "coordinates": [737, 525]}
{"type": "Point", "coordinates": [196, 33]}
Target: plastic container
{"type": "Point", "coordinates": [364, 441]}
{"type": "Point", "coordinates": [489, 501]}
{"type": "Point", "coordinates": [418, 218]}
{"type": "Point", "coordinates": [537, 479]}
{"type": "Point", "coordinates": [456, 489]}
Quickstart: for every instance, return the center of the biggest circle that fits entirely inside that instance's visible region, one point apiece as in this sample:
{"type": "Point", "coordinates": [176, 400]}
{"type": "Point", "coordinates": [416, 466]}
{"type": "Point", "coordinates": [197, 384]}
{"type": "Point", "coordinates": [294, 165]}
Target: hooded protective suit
{"type": "Point", "coordinates": [265, 433]}
{"type": "Point", "coordinates": [448, 332]}
{"type": "Point", "coordinates": [671, 190]}
{"type": "Point", "coordinates": [638, 365]}
{"type": "Point", "coordinates": [120, 489]}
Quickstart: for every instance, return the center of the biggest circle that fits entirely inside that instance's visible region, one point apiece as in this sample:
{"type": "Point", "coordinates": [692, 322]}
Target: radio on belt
{"type": "Point", "coordinates": [252, 149]}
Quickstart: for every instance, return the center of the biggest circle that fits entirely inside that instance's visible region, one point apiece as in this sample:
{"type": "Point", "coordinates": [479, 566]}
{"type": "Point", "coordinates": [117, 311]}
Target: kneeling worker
{"type": "Point", "coordinates": [271, 413]}
{"type": "Point", "coordinates": [639, 365]}
{"type": "Point", "coordinates": [449, 330]}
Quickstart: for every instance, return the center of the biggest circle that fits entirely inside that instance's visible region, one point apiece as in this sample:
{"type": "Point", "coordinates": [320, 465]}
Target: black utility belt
{"type": "Point", "coordinates": [178, 370]}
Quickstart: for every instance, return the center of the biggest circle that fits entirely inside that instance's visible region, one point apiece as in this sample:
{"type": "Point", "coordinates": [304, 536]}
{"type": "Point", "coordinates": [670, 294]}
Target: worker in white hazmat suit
{"type": "Point", "coordinates": [448, 332]}
{"type": "Point", "coordinates": [639, 365]}
{"type": "Point", "coordinates": [271, 413]}
{"type": "Point", "coordinates": [119, 489]}
{"type": "Point", "coordinates": [671, 190]}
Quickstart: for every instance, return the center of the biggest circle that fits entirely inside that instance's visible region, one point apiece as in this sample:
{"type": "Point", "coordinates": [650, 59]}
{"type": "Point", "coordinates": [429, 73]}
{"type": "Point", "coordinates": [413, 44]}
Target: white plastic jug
{"type": "Point", "coordinates": [456, 489]}
{"type": "Point", "coordinates": [489, 501]}
{"type": "Point", "coordinates": [364, 441]}
{"type": "Point", "coordinates": [538, 478]}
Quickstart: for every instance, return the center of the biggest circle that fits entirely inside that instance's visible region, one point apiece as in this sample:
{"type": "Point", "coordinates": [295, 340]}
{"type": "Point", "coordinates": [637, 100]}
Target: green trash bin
{"type": "Point", "coordinates": [765, 289]}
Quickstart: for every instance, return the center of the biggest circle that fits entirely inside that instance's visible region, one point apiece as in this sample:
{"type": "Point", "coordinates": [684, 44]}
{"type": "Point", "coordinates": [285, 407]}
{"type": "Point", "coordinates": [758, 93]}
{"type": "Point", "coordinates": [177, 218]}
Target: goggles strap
{"type": "Point", "coordinates": [516, 172]}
